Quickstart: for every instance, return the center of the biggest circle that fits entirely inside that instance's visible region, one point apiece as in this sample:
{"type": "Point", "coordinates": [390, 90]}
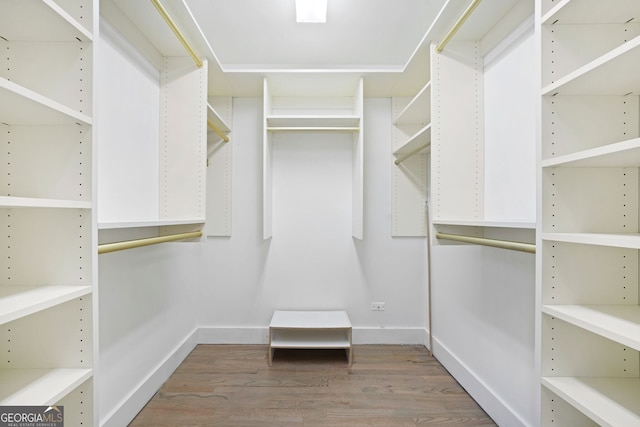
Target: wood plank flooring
{"type": "Point", "coordinates": [232, 385]}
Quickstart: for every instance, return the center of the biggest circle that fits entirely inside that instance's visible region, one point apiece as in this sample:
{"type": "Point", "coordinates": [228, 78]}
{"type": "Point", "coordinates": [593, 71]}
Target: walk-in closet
{"type": "Point", "coordinates": [370, 212]}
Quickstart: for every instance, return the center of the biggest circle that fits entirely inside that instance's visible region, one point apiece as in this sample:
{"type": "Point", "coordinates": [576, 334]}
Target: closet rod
{"type": "Point", "coordinates": [457, 25]}
{"type": "Point", "coordinates": [163, 12]}
{"type": "Point", "coordinates": [503, 244]}
{"type": "Point", "coordinates": [130, 244]}
{"type": "Point", "coordinates": [412, 152]}
{"type": "Point", "coordinates": [217, 130]}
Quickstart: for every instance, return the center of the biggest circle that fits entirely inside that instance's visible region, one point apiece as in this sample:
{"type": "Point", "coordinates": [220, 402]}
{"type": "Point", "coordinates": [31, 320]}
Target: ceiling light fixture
{"type": "Point", "coordinates": [311, 11]}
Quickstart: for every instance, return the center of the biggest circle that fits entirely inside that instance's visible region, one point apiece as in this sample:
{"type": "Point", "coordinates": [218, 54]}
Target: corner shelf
{"type": "Point", "coordinates": [216, 119]}
{"type": "Point", "coordinates": [588, 12]}
{"type": "Point", "coordinates": [420, 141]}
{"type": "Point", "coordinates": [418, 110]}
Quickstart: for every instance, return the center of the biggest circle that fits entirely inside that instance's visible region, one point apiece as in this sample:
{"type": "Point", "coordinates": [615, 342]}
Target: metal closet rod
{"type": "Point", "coordinates": [130, 244]}
{"type": "Point", "coordinates": [163, 12]}
{"type": "Point", "coordinates": [457, 25]}
{"type": "Point", "coordinates": [217, 130]}
{"type": "Point", "coordinates": [502, 244]}
{"type": "Point", "coordinates": [412, 152]}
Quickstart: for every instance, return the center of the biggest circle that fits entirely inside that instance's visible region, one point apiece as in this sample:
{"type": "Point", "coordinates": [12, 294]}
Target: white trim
{"type": "Point", "coordinates": [132, 403]}
{"type": "Point", "coordinates": [491, 403]}
{"type": "Point", "coordinates": [361, 335]}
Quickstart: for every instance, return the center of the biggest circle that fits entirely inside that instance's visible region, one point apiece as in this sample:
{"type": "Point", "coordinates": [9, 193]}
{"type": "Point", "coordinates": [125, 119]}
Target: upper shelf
{"type": "Point", "coordinates": [313, 122]}
{"type": "Point", "coordinates": [620, 154]}
{"type": "Point", "coordinates": [20, 20]}
{"type": "Point", "coordinates": [416, 143]}
{"type": "Point", "coordinates": [591, 12]}
{"type": "Point", "coordinates": [418, 110]}
{"type": "Point", "coordinates": [25, 107]}
{"type": "Point", "coordinates": [614, 73]}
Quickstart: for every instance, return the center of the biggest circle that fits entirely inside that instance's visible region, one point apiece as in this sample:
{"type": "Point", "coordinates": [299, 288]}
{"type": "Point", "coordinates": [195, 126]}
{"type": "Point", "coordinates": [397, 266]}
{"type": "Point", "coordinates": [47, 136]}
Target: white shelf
{"type": "Point", "coordinates": [39, 386]}
{"type": "Point", "coordinates": [310, 330]}
{"type": "Point", "coordinates": [619, 323]}
{"type": "Point", "coordinates": [629, 241]}
{"type": "Point", "coordinates": [590, 12]}
{"type": "Point", "coordinates": [20, 301]}
{"type": "Point", "coordinates": [315, 122]}
{"type": "Point", "coordinates": [60, 26]}
{"type": "Point", "coordinates": [607, 401]}
{"type": "Point", "coordinates": [421, 139]}
{"type": "Point", "coordinates": [305, 339]}
{"type": "Point", "coordinates": [149, 223]}
{"type": "Point", "coordinates": [330, 319]}
{"type": "Point", "coordinates": [22, 106]}
{"type": "Point", "coordinates": [28, 202]}
{"type": "Point", "coordinates": [614, 73]}
{"type": "Point", "coordinates": [216, 119]}
{"type": "Point", "coordinates": [418, 110]}
{"type": "Point", "coordinates": [491, 223]}
{"type": "Point", "coordinates": [620, 154]}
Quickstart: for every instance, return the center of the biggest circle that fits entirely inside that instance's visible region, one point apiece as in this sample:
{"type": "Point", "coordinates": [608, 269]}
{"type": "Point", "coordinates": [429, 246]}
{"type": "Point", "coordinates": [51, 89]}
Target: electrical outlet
{"type": "Point", "coordinates": [377, 306]}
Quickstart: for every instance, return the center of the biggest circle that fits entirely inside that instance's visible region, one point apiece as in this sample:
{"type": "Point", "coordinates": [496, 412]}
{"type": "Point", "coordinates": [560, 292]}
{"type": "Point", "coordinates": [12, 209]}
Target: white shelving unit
{"type": "Point", "coordinates": [166, 165]}
{"type": "Point", "coordinates": [590, 317]}
{"type": "Point", "coordinates": [411, 139]}
{"type": "Point", "coordinates": [458, 148]}
{"type": "Point", "coordinates": [314, 104]}
{"type": "Point", "coordinates": [46, 206]}
{"type": "Point", "coordinates": [310, 330]}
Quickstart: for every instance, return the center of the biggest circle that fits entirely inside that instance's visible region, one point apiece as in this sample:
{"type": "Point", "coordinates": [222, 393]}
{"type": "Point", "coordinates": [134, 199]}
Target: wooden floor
{"type": "Point", "coordinates": [391, 386]}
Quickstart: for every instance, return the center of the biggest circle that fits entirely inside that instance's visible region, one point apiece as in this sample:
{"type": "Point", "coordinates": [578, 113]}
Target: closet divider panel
{"type": "Point", "coordinates": [183, 139]}
{"type": "Point", "coordinates": [457, 132]}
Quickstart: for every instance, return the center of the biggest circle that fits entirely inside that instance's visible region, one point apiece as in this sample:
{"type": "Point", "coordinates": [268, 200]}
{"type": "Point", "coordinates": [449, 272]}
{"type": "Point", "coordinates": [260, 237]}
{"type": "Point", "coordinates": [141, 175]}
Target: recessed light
{"type": "Point", "coordinates": [314, 11]}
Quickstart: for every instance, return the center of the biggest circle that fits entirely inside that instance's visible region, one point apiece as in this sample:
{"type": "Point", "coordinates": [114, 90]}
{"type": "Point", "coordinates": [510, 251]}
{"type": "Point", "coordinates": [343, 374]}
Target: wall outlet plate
{"type": "Point", "coordinates": [377, 306]}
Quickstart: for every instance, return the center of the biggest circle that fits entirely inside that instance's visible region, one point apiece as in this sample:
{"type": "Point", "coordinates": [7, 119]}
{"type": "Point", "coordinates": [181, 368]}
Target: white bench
{"type": "Point", "coordinates": [310, 330]}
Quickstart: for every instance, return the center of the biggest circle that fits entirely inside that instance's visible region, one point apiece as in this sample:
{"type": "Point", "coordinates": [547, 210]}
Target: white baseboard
{"type": "Point", "coordinates": [222, 335]}
{"type": "Point", "coordinates": [492, 404]}
{"type": "Point", "coordinates": [131, 404]}
{"type": "Point", "coordinates": [260, 335]}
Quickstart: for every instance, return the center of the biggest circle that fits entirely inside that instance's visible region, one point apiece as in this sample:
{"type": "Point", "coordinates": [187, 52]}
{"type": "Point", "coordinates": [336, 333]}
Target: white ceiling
{"type": "Point", "coordinates": [358, 35]}
{"type": "Point", "coordinates": [384, 41]}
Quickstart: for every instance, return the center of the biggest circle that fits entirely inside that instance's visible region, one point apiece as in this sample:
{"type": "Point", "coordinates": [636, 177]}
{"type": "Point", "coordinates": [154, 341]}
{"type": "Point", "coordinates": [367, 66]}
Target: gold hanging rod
{"type": "Point", "coordinates": [217, 130]}
{"type": "Point", "coordinates": [163, 12]}
{"type": "Point", "coordinates": [502, 244]}
{"type": "Point", "coordinates": [457, 25]}
{"type": "Point", "coordinates": [412, 152]}
{"type": "Point", "coordinates": [130, 244]}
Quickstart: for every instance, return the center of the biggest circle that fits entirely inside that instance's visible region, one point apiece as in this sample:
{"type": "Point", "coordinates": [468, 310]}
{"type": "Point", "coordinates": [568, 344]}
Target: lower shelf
{"type": "Point", "coordinates": [20, 301]}
{"type": "Point", "coordinates": [607, 401]}
{"type": "Point", "coordinates": [310, 330]}
{"type": "Point", "coordinates": [39, 386]}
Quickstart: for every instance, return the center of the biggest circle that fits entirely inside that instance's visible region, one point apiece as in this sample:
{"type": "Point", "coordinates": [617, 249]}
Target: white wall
{"type": "Point", "coordinates": [312, 261]}
{"type": "Point", "coordinates": [483, 299]}
{"type": "Point", "coordinates": [147, 323]}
